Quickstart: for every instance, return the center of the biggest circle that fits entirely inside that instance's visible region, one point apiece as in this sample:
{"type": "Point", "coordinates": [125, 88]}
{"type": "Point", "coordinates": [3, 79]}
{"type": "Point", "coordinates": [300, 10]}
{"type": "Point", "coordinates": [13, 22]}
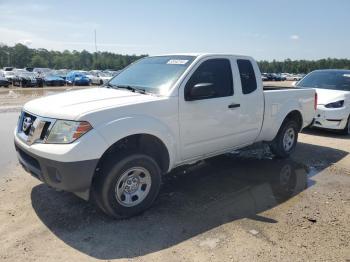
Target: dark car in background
{"type": "Point", "coordinates": [24, 78]}
{"type": "Point", "coordinates": [3, 81]}
{"type": "Point", "coordinates": [29, 69]}
{"type": "Point", "coordinates": [273, 77]}
{"type": "Point", "coordinates": [61, 73]}
{"type": "Point", "coordinates": [54, 80]}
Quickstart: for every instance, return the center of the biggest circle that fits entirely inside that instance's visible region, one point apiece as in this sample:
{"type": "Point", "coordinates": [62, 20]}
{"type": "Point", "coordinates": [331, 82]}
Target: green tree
{"type": "Point", "coordinates": [38, 61]}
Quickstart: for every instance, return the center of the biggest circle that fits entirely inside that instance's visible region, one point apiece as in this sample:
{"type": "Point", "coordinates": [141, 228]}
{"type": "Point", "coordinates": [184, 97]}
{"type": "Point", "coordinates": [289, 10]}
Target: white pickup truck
{"type": "Point", "coordinates": [112, 144]}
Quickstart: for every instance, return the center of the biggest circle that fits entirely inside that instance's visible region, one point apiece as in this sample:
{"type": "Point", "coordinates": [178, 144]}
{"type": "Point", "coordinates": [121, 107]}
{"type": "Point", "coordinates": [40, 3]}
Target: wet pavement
{"type": "Point", "coordinates": [11, 100]}
{"type": "Point", "coordinates": [7, 151]}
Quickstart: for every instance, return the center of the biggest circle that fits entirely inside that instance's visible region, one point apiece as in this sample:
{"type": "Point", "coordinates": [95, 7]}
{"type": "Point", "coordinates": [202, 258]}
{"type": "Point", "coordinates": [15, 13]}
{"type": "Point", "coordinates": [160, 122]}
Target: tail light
{"type": "Point", "coordinates": [315, 103]}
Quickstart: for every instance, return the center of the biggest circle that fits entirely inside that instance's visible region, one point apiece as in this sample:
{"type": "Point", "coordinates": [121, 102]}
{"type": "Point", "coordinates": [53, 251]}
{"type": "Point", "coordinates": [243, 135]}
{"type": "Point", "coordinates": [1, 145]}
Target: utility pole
{"type": "Point", "coordinates": [95, 49]}
{"type": "Point", "coordinates": [8, 58]}
{"type": "Point", "coordinates": [95, 42]}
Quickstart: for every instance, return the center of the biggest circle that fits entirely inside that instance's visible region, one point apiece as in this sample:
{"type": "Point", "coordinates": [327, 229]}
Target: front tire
{"type": "Point", "coordinates": [127, 186]}
{"type": "Point", "coordinates": [346, 130]}
{"type": "Point", "coordinates": [285, 141]}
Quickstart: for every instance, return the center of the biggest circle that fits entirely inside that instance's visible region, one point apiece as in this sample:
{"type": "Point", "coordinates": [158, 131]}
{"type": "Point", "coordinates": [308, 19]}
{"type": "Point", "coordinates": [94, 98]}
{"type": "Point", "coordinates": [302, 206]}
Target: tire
{"type": "Point", "coordinates": [346, 130]}
{"type": "Point", "coordinates": [110, 191]}
{"type": "Point", "coordinates": [285, 141]}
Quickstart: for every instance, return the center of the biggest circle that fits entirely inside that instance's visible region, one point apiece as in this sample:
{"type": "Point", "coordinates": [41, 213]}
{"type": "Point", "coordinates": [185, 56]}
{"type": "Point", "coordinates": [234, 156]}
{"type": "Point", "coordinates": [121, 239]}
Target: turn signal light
{"type": "Point", "coordinates": [83, 128]}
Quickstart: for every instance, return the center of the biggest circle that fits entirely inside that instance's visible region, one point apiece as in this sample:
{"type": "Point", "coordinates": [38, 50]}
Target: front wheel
{"type": "Point", "coordinates": [285, 141]}
{"type": "Point", "coordinates": [346, 130]}
{"type": "Point", "coordinates": [127, 186]}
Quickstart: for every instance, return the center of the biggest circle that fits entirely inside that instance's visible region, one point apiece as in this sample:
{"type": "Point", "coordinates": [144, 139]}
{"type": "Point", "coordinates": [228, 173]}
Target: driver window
{"type": "Point", "coordinates": [215, 71]}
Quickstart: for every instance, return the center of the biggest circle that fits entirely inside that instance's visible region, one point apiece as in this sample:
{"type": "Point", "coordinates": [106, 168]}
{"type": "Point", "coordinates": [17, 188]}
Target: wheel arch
{"type": "Point", "coordinates": [137, 143]}
{"type": "Point", "coordinates": [296, 116]}
{"type": "Point", "coordinates": [292, 115]}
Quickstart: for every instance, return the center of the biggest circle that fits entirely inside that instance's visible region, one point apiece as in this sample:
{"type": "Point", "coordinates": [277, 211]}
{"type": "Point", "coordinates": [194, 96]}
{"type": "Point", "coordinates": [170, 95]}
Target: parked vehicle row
{"type": "Point", "coordinates": [281, 77]}
{"type": "Point", "coordinates": [39, 77]}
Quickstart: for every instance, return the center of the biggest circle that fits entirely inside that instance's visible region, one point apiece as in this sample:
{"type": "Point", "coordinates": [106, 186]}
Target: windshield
{"type": "Point", "coordinates": [336, 80]}
{"type": "Point", "coordinates": [52, 75]}
{"type": "Point", "coordinates": [29, 74]}
{"type": "Point", "coordinates": [153, 74]}
{"type": "Point", "coordinates": [104, 75]}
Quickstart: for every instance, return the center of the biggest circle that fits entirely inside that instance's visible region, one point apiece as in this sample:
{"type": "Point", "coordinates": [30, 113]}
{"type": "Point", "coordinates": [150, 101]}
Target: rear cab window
{"type": "Point", "coordinates": [247, 75]}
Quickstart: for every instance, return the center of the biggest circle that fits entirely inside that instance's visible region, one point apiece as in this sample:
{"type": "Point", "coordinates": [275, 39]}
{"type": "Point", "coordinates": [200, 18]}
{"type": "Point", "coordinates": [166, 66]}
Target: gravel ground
{"type": "Point", "coordinates": [245, 206]}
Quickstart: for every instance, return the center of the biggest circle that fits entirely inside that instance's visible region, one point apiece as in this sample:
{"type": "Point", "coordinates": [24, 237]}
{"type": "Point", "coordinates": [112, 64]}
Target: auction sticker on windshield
{"type": "Point", "coordinates": [177, 62]}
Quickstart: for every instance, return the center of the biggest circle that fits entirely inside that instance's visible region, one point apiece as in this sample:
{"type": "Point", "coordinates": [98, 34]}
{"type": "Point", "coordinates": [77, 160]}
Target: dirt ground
{"type": "Point", "coordinates": [245, 206]}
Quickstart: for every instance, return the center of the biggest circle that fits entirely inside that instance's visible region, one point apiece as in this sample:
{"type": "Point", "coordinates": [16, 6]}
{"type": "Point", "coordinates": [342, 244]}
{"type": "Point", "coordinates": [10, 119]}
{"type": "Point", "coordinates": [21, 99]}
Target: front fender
{"type": "Point", "coordinates": [118, 129]}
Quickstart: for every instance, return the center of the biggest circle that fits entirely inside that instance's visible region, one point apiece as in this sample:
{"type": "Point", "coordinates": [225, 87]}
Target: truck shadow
{"type": "Point", "coordinates": [190, 203]}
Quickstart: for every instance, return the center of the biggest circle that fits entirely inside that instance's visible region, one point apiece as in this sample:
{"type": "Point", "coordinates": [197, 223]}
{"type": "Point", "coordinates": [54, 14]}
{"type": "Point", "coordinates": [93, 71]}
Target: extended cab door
{"type": "Point", "coordinates": [250, 87]}
{"type": "Point", "coordinates": [210, 109]}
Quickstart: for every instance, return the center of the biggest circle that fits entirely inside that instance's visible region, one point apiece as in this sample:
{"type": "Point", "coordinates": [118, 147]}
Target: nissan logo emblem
{"type": "Point", "coordinates": [27, 123]}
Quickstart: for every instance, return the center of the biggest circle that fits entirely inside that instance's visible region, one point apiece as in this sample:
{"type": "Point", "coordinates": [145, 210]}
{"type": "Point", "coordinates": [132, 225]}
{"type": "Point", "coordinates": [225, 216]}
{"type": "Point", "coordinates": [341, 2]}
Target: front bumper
{"type": "Point", "coordinates": [331, 118]}
{"type": "Point", "coordinates": [75, 177]}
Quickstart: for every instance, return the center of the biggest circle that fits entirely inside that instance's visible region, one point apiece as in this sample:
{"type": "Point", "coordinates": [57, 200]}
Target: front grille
{"type": "Point", "coordinates": [33, 129]}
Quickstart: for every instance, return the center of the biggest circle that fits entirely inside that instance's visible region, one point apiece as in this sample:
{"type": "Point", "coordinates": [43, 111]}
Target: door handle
{"type": "Point", "coordinates": [234, 105]}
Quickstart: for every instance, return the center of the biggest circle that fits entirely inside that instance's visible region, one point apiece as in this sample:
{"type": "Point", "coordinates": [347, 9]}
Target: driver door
{"type": "Point", "coordinates": [209, 117]}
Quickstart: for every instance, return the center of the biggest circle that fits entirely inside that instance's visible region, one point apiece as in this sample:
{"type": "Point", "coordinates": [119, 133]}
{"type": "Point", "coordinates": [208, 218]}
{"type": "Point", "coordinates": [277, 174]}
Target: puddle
{"type": "Point", "coordinates": [11, 100]}
{"type": "Point", "coordinates": [17, 93]}
{"type": "Point", "coordinates": [260, 182]}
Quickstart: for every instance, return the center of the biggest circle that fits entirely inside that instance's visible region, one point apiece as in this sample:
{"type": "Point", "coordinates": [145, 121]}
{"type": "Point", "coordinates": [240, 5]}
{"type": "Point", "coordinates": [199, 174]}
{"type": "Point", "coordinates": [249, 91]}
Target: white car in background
{"type": "Point", "coordinates": [98, 77]}
{"type": "Point", "coordinates": [292, 77]}
{"type": "Point", "coordinates": [9, 75]}
{"type": "Point", "coordinates": [333, 90]}
{"type": "Point", "coordinates": [104, 77]}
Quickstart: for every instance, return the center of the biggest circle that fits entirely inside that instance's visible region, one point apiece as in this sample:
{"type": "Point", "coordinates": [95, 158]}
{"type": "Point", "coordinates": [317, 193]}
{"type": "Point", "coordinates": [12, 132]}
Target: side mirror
{"type": "Point", "coordinates": [201, 91]}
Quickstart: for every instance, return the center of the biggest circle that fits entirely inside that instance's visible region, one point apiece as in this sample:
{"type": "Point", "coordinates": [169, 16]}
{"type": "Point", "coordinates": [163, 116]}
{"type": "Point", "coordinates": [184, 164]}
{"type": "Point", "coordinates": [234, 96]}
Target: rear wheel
{"type": "Point", "coordinates": [127, 186]}
{"type": "Point", "coordinates": [285, 141]}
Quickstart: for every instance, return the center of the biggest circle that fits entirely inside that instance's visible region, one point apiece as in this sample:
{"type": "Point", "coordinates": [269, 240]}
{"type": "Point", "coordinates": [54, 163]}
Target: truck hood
{"type": "Point", "coordinates": [326, 96]}
{"type": "Point", "coordinates": [73, 104]}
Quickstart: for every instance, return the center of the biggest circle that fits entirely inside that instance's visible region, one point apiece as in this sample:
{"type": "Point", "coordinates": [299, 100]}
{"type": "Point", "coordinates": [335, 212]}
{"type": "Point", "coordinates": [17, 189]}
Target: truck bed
{"type": "Point", "coordinates": [268, 88]}
{"type": "Point", "coordinates": [279, 102]}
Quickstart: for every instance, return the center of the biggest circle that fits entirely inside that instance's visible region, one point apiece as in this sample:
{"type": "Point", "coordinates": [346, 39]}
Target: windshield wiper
{"type": "Point", "coordinates": [132, 88]}
{"type": "Point", "coordinates": [108, 85]}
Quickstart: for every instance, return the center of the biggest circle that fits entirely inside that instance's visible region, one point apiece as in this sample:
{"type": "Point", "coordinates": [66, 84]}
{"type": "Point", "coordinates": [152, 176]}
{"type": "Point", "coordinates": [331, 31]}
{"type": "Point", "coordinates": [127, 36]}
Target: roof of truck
{"type": "Point", "coordinates": [201, 54]}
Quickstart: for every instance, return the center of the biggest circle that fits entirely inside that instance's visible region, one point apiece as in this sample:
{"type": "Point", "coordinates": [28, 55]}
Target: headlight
{"type": "Point", "coordinates": [65, 132]}
{"type": "Point", "coordinates": [337, 104]}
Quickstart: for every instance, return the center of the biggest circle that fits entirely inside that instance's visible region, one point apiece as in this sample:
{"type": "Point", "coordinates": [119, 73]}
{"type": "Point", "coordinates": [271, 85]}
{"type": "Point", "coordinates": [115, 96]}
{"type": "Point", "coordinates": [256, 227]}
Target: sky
{"type": "Point", "coordinates": [264, 29]}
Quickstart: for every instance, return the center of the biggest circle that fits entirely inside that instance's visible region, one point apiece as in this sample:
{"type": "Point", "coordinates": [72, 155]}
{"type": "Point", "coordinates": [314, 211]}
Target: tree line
{"type": "Point", "coordinates": [21, 56]}
{"type": "Point", "coordinates": [302, 66]}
